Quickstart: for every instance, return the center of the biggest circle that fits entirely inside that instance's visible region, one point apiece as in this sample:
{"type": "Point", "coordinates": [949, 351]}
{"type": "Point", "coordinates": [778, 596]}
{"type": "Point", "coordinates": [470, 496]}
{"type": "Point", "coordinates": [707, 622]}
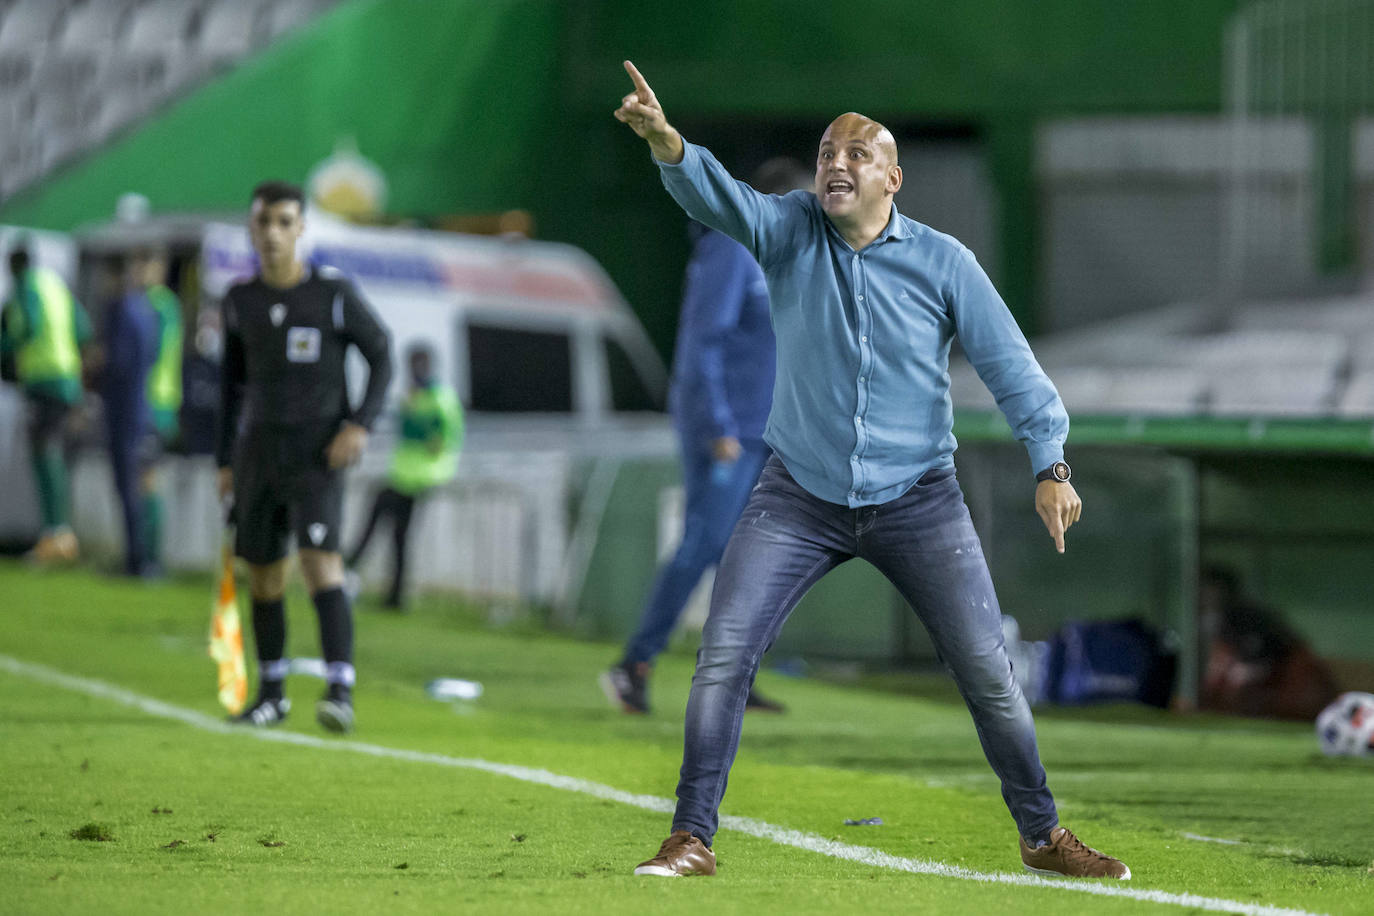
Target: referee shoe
{"type": "Point", "coordinates": [335, 710]}
{"type": "Point", "coordinates": [266, 711]}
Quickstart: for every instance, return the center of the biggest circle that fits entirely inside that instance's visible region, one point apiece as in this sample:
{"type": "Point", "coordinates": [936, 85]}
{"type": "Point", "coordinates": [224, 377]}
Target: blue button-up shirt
{"type": "Point", "coordinates": [861, 405]}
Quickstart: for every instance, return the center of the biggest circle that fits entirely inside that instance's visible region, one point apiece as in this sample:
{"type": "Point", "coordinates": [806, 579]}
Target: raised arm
{"type": "Point", "coordinates": [641, 110]}
{"type": "Point", "coordinates": [762, 223]}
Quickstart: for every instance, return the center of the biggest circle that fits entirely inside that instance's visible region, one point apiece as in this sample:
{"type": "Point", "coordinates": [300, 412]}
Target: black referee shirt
{"type": "Point", "coordinates": [284, 356]}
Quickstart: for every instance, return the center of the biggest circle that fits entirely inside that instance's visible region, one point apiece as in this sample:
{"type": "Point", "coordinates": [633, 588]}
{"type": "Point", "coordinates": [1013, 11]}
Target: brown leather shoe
{"type": "Point", "coordinates": [1066, 855]}
{"type": "Point", "coordinates": [680, 855]}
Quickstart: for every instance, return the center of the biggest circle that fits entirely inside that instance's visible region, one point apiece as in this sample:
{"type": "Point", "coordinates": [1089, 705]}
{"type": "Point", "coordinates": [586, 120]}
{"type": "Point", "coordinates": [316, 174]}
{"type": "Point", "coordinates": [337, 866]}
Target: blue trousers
{"type": "Point", "coordinates": [715, 495]}
{"type": "Point", "coordinates": [924, 542]}
{"type": "Point", "coordinates": [125, 435]}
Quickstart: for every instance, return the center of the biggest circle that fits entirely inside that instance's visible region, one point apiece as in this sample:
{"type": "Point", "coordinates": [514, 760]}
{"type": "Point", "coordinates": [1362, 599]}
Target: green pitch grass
{"type": "Point", "coordinates": [108, 809]}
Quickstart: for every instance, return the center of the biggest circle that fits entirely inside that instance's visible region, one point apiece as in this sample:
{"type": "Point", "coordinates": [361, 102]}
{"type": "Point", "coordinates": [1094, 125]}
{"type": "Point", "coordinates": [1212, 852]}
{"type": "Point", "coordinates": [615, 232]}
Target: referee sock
{"type": "Point", "coordinates": [269, 634]}
{"type": "Point", "coordinates": [336, 630]}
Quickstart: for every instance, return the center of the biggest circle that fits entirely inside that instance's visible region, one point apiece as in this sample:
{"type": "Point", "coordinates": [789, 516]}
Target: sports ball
{"type": "Point", "coordinates": [1346, 727]}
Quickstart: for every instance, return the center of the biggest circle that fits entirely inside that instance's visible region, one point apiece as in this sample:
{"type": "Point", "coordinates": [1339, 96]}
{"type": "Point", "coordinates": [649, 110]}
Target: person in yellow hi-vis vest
{"type": "Point", "coordinates": [43, 330]}
{"type": "Point", "coordinates": [426, 456]}
{"type": "Point", "coordinates": [164, 389]}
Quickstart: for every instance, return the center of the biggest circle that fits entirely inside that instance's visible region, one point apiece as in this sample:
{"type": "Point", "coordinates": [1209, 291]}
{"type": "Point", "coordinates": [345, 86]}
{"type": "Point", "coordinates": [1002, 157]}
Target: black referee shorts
{"type": "Point", "coordinates": [284, 486]}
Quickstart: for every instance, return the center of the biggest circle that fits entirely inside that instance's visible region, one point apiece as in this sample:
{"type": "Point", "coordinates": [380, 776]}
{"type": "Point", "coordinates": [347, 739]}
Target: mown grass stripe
{"type": "Point", "coordinates": [863, 855]}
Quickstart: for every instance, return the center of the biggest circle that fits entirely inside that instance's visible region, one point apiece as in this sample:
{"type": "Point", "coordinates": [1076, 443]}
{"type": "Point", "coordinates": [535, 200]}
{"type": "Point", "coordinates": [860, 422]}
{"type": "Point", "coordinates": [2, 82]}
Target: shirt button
{"type": "Point", "coordinates": [861, 298]}
{"type": "Point", "coordinates": [853, 495]}
{"type": "Point", "coordinates": [858, 419]}
{"type": "Point", "coordinates": [864, 339]}
{"type": "Point", "coordinates": [861, 380]}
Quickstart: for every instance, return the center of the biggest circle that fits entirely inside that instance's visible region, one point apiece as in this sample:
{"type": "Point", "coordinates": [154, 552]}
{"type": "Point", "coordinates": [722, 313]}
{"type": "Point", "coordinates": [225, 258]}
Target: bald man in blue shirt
{"type": "Point", "coordinates": [865, 304]}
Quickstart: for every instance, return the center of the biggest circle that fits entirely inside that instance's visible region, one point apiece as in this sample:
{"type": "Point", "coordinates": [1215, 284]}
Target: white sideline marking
{"type": "Point", "coordinates": [1278, 850]}
{"type": "Point", "coordinates": [1212, 839]}
{"type": "Point", "coordinates": [863, 855]}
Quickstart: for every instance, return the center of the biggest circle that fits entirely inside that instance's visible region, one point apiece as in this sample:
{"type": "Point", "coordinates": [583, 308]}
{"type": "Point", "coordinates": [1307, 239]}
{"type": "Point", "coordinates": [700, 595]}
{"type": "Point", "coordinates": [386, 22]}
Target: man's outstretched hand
{"type": "Point", "coordinates": [1058, 506]}
{"type": "Point", "coordinates": [640, 110]}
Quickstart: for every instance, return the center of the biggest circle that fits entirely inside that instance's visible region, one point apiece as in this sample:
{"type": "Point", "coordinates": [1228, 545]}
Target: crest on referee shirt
{"type": "Point", "coordinates": [303, 345]}
{"type": "Point", "coordinates": [278, 314]}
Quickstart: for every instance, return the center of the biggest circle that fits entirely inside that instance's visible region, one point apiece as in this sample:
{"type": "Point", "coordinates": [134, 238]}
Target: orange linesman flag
{"type": "Point", "coordinates": [226, 639]}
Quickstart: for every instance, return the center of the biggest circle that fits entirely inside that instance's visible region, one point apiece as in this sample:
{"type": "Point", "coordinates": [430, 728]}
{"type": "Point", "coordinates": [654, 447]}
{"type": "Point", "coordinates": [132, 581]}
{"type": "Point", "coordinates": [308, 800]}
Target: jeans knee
{"type": "Point", "coordinates": [992, 688]}
{"type": "Point", "coordinates": [726, 666]}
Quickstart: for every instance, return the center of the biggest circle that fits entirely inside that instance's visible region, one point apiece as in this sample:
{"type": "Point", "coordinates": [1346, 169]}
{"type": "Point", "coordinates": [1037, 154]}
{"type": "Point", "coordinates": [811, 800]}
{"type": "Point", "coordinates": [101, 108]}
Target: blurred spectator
{"type": "Point", "coordinates": [164, 382]}
{"type": "Point", "coordinates": [723, 367]}
{"type": "Point", "coordinates": [128, 351]}
{"type": "Point", "coordinates": [200, 378]}
{"type": "Point", "coordinates": [44, 328]}
{"type": "Point", "coordinates": [426, 456]}
{"type": "Point", "coordinates": [1256, 664]}
{"type": "Point", "coordinates": [164, 389]}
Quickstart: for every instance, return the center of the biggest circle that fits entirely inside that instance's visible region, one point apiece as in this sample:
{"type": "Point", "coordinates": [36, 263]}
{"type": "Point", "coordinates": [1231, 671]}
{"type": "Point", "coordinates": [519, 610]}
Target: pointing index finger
{"type": "Point", "coordinates": [1057, 532]}
{"type": "Point", "coordinates": [641, 86]}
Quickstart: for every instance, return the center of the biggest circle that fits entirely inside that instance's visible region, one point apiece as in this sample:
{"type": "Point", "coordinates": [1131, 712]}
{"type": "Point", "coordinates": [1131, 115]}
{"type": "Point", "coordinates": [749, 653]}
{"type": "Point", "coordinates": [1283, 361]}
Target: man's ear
{"type": "Point", "coordinates": [894, 179]}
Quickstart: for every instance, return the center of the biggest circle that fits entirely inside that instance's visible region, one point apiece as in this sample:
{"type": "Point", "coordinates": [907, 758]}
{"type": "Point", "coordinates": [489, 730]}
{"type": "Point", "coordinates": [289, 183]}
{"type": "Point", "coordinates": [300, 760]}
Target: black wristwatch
{"type": "Point", "coordinates": [1059, 472]}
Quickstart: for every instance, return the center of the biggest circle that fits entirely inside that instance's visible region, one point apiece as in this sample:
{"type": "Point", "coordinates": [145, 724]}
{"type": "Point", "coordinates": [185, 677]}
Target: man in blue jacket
{"type": "Point", "coordinates": [865, 306]}
{"type": "Point", "coordinates": [722, 386]}
{"type": "Point", "coordinates": [129, 349]}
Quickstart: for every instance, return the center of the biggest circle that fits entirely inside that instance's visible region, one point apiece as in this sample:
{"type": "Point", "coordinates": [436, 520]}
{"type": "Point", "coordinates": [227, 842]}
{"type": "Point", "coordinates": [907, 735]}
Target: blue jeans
{"type": "Point", "coordinates": [924, 542]}
{"type": "Point", "coordinates": [716, 493]}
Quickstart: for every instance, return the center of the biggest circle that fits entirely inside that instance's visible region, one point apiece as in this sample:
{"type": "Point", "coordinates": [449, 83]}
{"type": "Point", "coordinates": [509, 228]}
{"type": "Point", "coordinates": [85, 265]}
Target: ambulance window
{"type": "Point", "coordinates": [628, 391]}
{"type": "Point", "coordinates": [515, 370]}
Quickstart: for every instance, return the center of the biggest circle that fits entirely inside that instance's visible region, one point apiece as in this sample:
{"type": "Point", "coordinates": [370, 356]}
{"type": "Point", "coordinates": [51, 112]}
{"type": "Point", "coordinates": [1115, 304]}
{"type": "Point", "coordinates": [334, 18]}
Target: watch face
{"type": "Point", "coordinates": [1061, 471]}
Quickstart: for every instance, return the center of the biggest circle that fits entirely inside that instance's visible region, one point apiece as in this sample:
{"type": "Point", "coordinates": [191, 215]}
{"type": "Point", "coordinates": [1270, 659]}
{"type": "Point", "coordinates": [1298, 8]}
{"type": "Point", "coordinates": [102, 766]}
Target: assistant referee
{"type": "Point", "coordinates": [287, 431]}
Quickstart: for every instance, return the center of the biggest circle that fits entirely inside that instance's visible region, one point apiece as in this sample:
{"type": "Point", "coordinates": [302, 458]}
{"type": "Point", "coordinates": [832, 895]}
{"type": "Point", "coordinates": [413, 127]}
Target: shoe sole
{"type": "Point", "coordinates": [249, 723]}
{"type": "Point", "coordinates": [1059, 874]}
{"type": "Point", "coordinates": [282, 711]}
{"type": "Point", "coordinates": [657, 871]}
{"type": "Point", "coordinates": [334, 717]}
{"type": "Point", "coordinates": [613, 697]}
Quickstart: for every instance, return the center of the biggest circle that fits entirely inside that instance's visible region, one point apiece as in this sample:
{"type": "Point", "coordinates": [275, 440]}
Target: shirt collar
{"type": "Point", "coordinates": [896, 228]}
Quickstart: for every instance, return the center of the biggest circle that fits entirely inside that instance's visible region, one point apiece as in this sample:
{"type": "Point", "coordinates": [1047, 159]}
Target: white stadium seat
{"type": "Point", "coordinates": [1358, 398]}
{"type": "Point", "coordinates": [1274, 391]}
{"type": "Point", "coordinates": [94, 24]}
{"type": "Point", "coordinates": [1139, 391]}
{"type": "Point", "coordinates": [31, 23]}
{"type": "Point", "coordinates": [228, 30]}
